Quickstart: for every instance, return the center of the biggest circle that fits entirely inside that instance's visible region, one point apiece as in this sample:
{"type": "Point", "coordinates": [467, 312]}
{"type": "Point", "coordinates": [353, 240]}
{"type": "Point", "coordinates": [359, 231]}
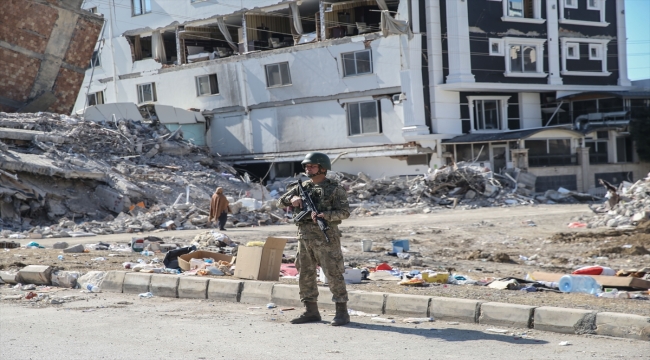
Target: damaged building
{"type": "Point", "coordinates": [45, 49]}
{"type": "Point", "coordinates": [387, 87]}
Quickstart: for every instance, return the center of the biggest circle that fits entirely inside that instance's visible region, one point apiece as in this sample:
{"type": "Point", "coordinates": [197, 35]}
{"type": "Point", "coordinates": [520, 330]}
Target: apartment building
{"type": "Point", "coordinates": [386, 87]}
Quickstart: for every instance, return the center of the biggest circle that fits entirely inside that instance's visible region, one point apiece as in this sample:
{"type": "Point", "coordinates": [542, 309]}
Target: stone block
{"type": "Point", "coordinates": [225, 289]}
{"type": "Point", "coordinates": [286, 295]}
{"type": "Point", "coordinates": [623, 325]}
{"type": "Point", "coordinates": [564, 320]}
{"type": "Point", "coordinates": [136, 283]}
{"type": "Point", "coordinates": [407, 305]}
{"type": "Point", "coordinates": [60, 245]}
{"type": "Point", "coordinates": [35, 274]}
{"type": "Point", "coordinates": [193, 288]}
{"type": "Point", "coordinates": [454, 309]}
{"type": "Point", "coordinates": [113, 281]}
{"type": "Point", "coordinates": [369, 302]}
{"type": "Point", "coordinates": [502, 314]}
{"type": "Point", "coordinates": [74, 249]}
{"type": "Point", "coordinates": [256, 292]}
{"type": "Point", "coordinates": [9, 278]}
{"type": "Point", "coordinates": [164, 285]}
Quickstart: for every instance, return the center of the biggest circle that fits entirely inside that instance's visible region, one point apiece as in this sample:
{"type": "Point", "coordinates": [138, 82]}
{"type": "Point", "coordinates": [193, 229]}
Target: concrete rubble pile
{"type": "Point", "coordinates": [631, 208]}
{"type": "Point", "coordinates": [106, 177]}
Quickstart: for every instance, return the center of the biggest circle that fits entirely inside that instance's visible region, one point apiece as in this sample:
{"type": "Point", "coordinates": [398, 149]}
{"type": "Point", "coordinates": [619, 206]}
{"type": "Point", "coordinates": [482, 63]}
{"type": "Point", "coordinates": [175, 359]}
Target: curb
{"type": "Point", "coordinates": [545, 318]}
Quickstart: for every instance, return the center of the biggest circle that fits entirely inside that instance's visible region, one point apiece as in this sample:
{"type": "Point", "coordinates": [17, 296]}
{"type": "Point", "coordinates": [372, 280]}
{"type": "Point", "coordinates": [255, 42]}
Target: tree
{"type": "Point", "coordinates": [640, 131]}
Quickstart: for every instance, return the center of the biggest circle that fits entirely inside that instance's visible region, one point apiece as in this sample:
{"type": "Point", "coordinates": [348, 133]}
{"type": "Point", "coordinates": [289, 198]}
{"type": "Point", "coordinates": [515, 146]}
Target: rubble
{"type": "Point", "coordinates": [631, 210]}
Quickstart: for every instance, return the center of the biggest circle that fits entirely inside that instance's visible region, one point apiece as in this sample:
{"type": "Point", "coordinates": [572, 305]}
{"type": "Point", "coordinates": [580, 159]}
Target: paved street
{"type": "Point", "coordinates": [121, 326]}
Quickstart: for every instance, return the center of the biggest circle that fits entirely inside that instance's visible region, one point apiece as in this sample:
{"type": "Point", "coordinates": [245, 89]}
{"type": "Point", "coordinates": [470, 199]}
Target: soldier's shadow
{"type": "Point", "coordinates": [429, 330]}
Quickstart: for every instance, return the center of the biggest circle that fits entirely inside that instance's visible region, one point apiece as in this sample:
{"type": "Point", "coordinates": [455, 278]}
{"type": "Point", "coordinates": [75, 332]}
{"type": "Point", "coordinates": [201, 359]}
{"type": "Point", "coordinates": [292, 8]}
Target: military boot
{"type": "Point", "coordinates": [311, 314]}
{"type": "Point", "coordinates": [342, 317]}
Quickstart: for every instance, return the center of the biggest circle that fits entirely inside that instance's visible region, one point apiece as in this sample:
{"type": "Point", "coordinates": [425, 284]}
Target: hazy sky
{"type": "Point", "coordinates": [637, 21]}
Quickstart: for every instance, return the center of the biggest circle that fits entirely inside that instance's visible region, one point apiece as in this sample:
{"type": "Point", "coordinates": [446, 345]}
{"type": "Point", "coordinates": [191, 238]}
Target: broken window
{"type": "Point", "coordinates": [523, 58]}
{"type": "Point", "coordinates": [357, 63]}
{"type": "Point", "coordinates": [207, 85]}
{"type": "Point", "coordinates": [140, 7]}
{"type": "Point", "coordinates": [94, 61]}
{"type": "Point", "coordinates": [147, 93]}
{"type": "Point", "coordinates": [278, 74]}
{"type": "Point", "coordinates": [96, 98]}
{"type": "Point", "coordinates": [487, 114]}
{"type": "Point", "coordinates": [364, 118]}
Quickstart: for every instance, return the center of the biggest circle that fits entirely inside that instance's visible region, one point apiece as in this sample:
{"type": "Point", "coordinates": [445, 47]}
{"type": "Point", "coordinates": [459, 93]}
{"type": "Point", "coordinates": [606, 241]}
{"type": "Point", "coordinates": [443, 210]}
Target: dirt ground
{"type": "Point", "coordinates": [469, 242]}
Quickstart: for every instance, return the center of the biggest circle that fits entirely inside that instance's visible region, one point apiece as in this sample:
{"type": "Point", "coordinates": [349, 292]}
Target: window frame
{"type": "Point", "coordinates": [266, 71]}
{"type": "Point", "coordinates": [599, 51]}
{"type": "Point", "coordinates": [154, 95]}
{"type": "Point", "coordinates": [601, 43]}
{"type": "Point", "coordinates": [372, 69]}
{"type": "Point", "coordinates": [503, 112]}
{"type": "Point", "coordinates": [349, 122]}
{"type": "Point", "coordinates": [95, 96]}
{"type": "Point", "coordinates": [539, 48]}
{"type": "Point", "coordinates": [198, 87]}
{"type": "Point", "coordinates": [143, 7]}
{"type": "Point", "coordinates": [601, 8]}
{"type": "Point", "coordinates": [570, 4]}
{"type": "Point", "coordinates": [537, 13]}
{"type": "Point", "coordinates": [500, 44]}
{"type": "Point", "coordinates": [596, 5]}
{"type": "Point", "coordinates": [576, 51]}
{"type": "Point", "coordinates": [97, 59]}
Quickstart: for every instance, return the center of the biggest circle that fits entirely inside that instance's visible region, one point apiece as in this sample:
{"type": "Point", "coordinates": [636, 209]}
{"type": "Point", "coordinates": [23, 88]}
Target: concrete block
{"type": "Point", "coordinates": [9, 278]}
{"type": "Point", "coordinates": [60, 245]}
{"type": "Point", "coordinates": [113, 281]}
{"type": "Point", "coordinates": [35, 274]}
{"type": "Point", "coordinates": [563, 320]}
{"type": "Point", "coordinates": [513, 315]}
{"type": "Point", "coordinates": [111, 199]}
{"type": "Point", "coordinates": [286, 295]}
{"type": "Point", "coordinates": [225, 289]}
{"type": "Point", "coordinates": [256, 292]}
{"type": "Point", "coordinates": [407, 305]}
{"type": "Point", "coordinates": [74, 249]}
{"type": "Point", "coordinates": [623, 325]}
{"type": "Point", "coordinates": [164, 285]}
{"type": "Point", "coordinates": [193, 288]}
{"type": "Point", "coordinates": [136, 283]}
{"type": "Point", "coordinates": [454, 309]}
{"type": "Point", "coordinates": [370, 302]}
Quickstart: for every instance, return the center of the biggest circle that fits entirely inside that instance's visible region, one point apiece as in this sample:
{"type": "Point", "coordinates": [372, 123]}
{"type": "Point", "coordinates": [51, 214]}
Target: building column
{"type": "Point", "coordinates": [460, 64]}
{"type": "Point", "coordinates": [519, 158]}
{"type": "Point", "coordinates": [621, 37]}
{"type": "Point", "coordinates": [244, 32]}
{"type": "Point", "coordinates": [321, 17]}
{"type": "Point", "coordinates": [583, 155]}
{"type": "Point", "coordinates": [553, 40]}
{"type": "Point", "coordinates": [411, 79]}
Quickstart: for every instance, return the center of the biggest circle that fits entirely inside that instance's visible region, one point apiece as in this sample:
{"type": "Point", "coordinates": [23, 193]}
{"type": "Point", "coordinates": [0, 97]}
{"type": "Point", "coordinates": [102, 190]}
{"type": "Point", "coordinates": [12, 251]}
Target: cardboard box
{"type": "Point", "coordinates": [261, 262]}
{"type": "Point", "coordinates": [604, 281]}
{"type": "Point", "coordinates": [184, 260]}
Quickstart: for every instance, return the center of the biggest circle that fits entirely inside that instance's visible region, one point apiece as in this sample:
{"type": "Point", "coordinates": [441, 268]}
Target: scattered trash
{"type": "Point", "coordinates": [418, 320]}
{"type": "Point", "coordinates": [146, 295]}
{"type": "Point", "coordinates": [564, 343]}
{"type": "Point", "coordinates": [271, 306]}
{"type": "Point", "coordinates": [453, 323]}
{"type": "Point", "coordinates": [498, 331]}
{"type": "Point", "coordinates": [576, 225]}
{"type": "Point", "coordinates": [383, 320]}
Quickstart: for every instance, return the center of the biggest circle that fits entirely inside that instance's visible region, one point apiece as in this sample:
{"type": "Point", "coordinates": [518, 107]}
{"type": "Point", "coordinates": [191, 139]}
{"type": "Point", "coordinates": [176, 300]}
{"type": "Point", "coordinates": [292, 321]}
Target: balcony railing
{"type": "Point", "coordinates": [552, 160]}
{"type": "Point", "coordinates": [597, 159]}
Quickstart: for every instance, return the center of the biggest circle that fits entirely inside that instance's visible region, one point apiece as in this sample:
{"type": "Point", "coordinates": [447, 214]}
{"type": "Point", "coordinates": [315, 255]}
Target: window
{"type": "Point", "coordinates": [573, 51]}
{"type": "Point", "coordinates": [571, 4]}
{"type": "Point", "coordinates": [357, 63]}
{"type": "Point", "coordinates": [527, 11]}
{"type": "Point", "coordinates": [364, 118]}
{"type": "Point", "coordinates": [207, 85]}
{"type": "Point", "coordinates": [624, 149]}
{"type": "Point", "coordinates": [595, 52]}
{"type": "Point", "coordinates": [496, 47]}
{"type": "Point", "coordinates": [147, 93]}
{"type": "Point", "coordinates": [96, 98]}
{"type": "Point", "coordinates": [94, 61]}
{"type": "Point", "coordinates": [278, 75]}
{"type": "Point", "coordinates": [421, 159]}
{"type": "Point", "coordinates": [524, 57]}
{"type": "Point", "coordinates": [597, 150]}
{"type": "Point", "coordinates": [141, 7]}
{"type": "Point", "coordinates": [551, 152]}
{"type": "Point", "coordinates": [593, 4]}
{"type": "Point", "coordinates": [488, 113]}
{"type": "Point", "coordinates": [93, 10]}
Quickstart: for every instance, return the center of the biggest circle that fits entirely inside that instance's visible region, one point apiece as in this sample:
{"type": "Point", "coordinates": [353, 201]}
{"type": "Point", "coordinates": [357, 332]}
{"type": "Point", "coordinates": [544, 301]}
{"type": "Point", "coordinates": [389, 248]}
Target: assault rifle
{"type": "Point", "coordinates": [308, 207]}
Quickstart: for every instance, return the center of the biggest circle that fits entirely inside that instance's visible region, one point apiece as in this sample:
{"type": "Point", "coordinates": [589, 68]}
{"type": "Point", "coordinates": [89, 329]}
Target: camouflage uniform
{"type": "Point", "coordinates": [314, 250]}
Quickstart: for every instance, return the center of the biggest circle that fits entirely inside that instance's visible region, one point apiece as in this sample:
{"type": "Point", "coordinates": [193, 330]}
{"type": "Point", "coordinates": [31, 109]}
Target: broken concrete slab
{"type": "Point", "coordinates": [60, 245]}
{"type": "Point", "coordinates": [35, 274]}
{"type": "Point", "coordinates": [74, 249]}
{"type": "Point", "coordinates": [112, 200]}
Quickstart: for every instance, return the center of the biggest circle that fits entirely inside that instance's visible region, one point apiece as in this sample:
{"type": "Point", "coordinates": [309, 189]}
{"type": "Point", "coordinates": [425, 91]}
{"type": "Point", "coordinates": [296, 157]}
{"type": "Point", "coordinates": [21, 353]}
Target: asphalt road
{"type": "Point", "coordinates": [121, 326]}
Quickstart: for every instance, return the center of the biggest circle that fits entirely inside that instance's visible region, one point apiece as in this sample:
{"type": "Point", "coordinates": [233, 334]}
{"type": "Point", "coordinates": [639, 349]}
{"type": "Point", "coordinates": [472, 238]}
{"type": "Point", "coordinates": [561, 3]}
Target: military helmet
{"type": "Point", "coordinates": [317, 158]}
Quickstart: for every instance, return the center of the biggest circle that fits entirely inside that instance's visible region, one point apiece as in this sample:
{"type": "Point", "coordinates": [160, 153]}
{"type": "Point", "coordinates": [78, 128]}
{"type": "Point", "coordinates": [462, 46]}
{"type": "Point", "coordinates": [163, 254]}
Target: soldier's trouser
{"type": "Point", "coordinates": [314, 250]}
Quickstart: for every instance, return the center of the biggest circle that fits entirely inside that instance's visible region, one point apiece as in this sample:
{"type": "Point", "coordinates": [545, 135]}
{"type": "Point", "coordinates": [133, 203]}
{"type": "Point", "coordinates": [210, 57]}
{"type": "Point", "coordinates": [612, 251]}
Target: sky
{"type": "Point", "coordinates": [637, 22]}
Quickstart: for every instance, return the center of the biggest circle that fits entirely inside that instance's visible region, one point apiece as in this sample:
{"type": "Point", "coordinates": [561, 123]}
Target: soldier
{"type": "Point", "coordinates": [332, 203]}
